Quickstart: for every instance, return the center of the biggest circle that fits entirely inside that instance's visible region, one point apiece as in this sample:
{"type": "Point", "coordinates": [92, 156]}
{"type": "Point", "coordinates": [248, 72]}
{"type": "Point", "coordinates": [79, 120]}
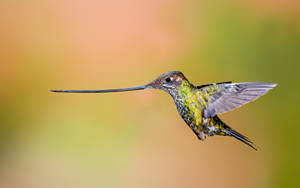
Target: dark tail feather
{"type": "Point", "coordinates": [240, 137]}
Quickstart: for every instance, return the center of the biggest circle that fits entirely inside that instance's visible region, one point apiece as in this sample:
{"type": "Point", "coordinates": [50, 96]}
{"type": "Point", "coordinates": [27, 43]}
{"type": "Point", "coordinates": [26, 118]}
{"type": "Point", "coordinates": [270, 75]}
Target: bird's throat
{"type": "Point", "coordinates": [185, 90]}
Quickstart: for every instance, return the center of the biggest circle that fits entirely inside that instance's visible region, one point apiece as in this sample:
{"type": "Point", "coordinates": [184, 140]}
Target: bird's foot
{"type": "Point", "coordinates": [201, 135]}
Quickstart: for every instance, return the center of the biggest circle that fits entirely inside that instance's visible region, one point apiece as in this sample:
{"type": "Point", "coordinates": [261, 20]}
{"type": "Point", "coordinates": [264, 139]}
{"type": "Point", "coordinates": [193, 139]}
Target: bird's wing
{"type": "Point", "coordinates": [226, 96]}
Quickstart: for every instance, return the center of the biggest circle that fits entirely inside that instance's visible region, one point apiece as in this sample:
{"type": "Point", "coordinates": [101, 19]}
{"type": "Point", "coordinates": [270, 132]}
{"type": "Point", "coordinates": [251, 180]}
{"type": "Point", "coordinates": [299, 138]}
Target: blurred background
{"type": "Point", "coordinates": [137, 139]}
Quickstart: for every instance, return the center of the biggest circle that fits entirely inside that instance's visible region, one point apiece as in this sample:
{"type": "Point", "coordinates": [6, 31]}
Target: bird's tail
{"type": "Point", "coordinates": [230, 132]}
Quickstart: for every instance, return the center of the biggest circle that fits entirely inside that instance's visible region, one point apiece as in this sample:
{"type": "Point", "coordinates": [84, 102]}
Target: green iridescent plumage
{"type": "Point", "coordinates": [199, 106]}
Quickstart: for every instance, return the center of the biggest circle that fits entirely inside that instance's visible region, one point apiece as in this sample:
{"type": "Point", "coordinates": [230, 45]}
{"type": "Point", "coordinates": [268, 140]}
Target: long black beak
{"type": "Point", "coordinates": [101, 91]}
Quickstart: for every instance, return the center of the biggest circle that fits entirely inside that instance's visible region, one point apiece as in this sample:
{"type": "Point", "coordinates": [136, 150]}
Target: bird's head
{"type": "Point", "coordinates": [169, 81]}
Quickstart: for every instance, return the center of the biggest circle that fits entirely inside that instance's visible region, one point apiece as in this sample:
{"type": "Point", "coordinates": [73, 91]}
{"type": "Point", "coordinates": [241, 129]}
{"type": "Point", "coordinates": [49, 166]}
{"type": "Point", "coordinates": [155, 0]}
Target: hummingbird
{"type": "Point", "coordinates": [199, 106]}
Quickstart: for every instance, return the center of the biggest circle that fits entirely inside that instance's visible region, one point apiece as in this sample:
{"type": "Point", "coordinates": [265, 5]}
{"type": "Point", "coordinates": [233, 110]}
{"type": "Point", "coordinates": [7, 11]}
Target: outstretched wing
{"type": "Point", "coordinates": [224, 97]}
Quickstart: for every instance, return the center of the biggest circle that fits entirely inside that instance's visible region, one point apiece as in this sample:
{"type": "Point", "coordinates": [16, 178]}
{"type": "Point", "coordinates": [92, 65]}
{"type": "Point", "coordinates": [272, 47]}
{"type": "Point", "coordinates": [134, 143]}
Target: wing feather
{"type": "Point", "coordinates": [224, 97]}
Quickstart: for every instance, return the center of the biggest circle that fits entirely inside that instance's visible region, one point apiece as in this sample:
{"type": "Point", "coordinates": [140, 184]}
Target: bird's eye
{"type": "Point", "coordinates": [169, 79]}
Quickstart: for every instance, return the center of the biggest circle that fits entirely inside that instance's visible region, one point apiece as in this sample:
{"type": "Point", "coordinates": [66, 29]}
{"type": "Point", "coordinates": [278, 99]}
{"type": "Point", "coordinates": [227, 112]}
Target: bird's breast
{"type": "Point", "coordinates": [190, 110]}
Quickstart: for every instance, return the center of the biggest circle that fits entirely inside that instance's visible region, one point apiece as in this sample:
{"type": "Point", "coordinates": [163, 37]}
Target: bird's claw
{"type": "Point", "coordinates": [201, 135]}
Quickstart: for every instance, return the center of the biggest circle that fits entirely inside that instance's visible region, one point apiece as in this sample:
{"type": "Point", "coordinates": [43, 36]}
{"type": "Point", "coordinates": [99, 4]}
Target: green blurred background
{"type": "Point", "coordinates": [137, 139]}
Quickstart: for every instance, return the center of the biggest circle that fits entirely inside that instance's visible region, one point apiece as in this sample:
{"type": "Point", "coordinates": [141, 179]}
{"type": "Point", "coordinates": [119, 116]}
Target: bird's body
{"type": "Point", "coordinates": [199, 106]}
{"type": "Point", "coordinates": [190, 103]}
